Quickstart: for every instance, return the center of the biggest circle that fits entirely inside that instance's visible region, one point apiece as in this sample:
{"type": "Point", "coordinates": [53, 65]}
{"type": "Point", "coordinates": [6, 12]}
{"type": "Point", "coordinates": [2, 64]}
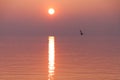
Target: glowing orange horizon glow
{"type": "Point", "coordinates": [51, 11]}
{"type": "Point", "coordinates": [51, 58]}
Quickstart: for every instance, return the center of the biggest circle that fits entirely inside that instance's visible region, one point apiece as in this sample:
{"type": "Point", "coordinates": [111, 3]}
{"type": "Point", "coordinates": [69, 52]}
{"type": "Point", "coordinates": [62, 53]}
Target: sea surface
{"type": "Point", "coordinates": [76, 58]}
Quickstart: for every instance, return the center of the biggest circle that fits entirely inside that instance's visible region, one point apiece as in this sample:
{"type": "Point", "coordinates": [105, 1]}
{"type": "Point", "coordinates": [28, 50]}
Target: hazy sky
{"type": "Point", "coordinates": [30, 17]}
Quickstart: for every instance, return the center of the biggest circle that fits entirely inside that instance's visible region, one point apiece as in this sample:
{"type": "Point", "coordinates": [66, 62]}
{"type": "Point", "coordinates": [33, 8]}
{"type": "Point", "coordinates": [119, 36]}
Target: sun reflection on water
{"type": "Point", "coordinates": [51, 58]}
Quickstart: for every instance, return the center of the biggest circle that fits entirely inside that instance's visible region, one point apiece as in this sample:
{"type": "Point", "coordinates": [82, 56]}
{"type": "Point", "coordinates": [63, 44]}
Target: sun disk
{"type": "Point", "coordinates": [51, 11]}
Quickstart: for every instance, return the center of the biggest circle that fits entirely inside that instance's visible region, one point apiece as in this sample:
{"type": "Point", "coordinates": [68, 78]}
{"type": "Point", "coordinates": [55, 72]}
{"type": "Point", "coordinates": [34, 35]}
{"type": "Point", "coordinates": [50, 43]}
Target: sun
{"type": "Point", "coordinates": [51, 11]}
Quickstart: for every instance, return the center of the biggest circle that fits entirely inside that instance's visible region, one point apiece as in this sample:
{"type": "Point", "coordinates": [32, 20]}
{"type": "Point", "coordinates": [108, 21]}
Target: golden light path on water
{"type": "Point", "coordinates": [51, 57]}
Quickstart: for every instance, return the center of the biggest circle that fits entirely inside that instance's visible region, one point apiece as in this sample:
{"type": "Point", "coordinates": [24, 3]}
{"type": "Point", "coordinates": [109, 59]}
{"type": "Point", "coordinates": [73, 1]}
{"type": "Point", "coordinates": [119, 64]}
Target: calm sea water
{"type": "Point", "coordinates": [77, 58]}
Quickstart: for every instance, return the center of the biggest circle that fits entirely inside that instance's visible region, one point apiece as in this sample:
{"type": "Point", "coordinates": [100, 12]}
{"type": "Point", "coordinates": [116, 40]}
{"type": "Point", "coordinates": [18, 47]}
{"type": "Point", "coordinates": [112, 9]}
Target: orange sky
{"type": "Point", "coordinates": [72, 6]}
{"type": "Point", "coordinates": [29, 13]}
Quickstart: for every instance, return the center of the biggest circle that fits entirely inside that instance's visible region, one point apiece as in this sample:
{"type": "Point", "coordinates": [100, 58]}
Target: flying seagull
{"type": "Point", "coordinates": [81, 33]}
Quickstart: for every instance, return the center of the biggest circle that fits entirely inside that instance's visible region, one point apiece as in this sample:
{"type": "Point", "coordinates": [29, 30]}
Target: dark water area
{"type": "Point", "coordinates": [77, 58]}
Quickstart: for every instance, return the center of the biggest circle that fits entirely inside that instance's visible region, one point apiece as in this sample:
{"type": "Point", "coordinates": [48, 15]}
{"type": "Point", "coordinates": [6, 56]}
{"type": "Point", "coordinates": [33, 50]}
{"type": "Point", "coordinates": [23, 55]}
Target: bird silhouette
{"type": "Point", "coordinates": [81, 33]}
